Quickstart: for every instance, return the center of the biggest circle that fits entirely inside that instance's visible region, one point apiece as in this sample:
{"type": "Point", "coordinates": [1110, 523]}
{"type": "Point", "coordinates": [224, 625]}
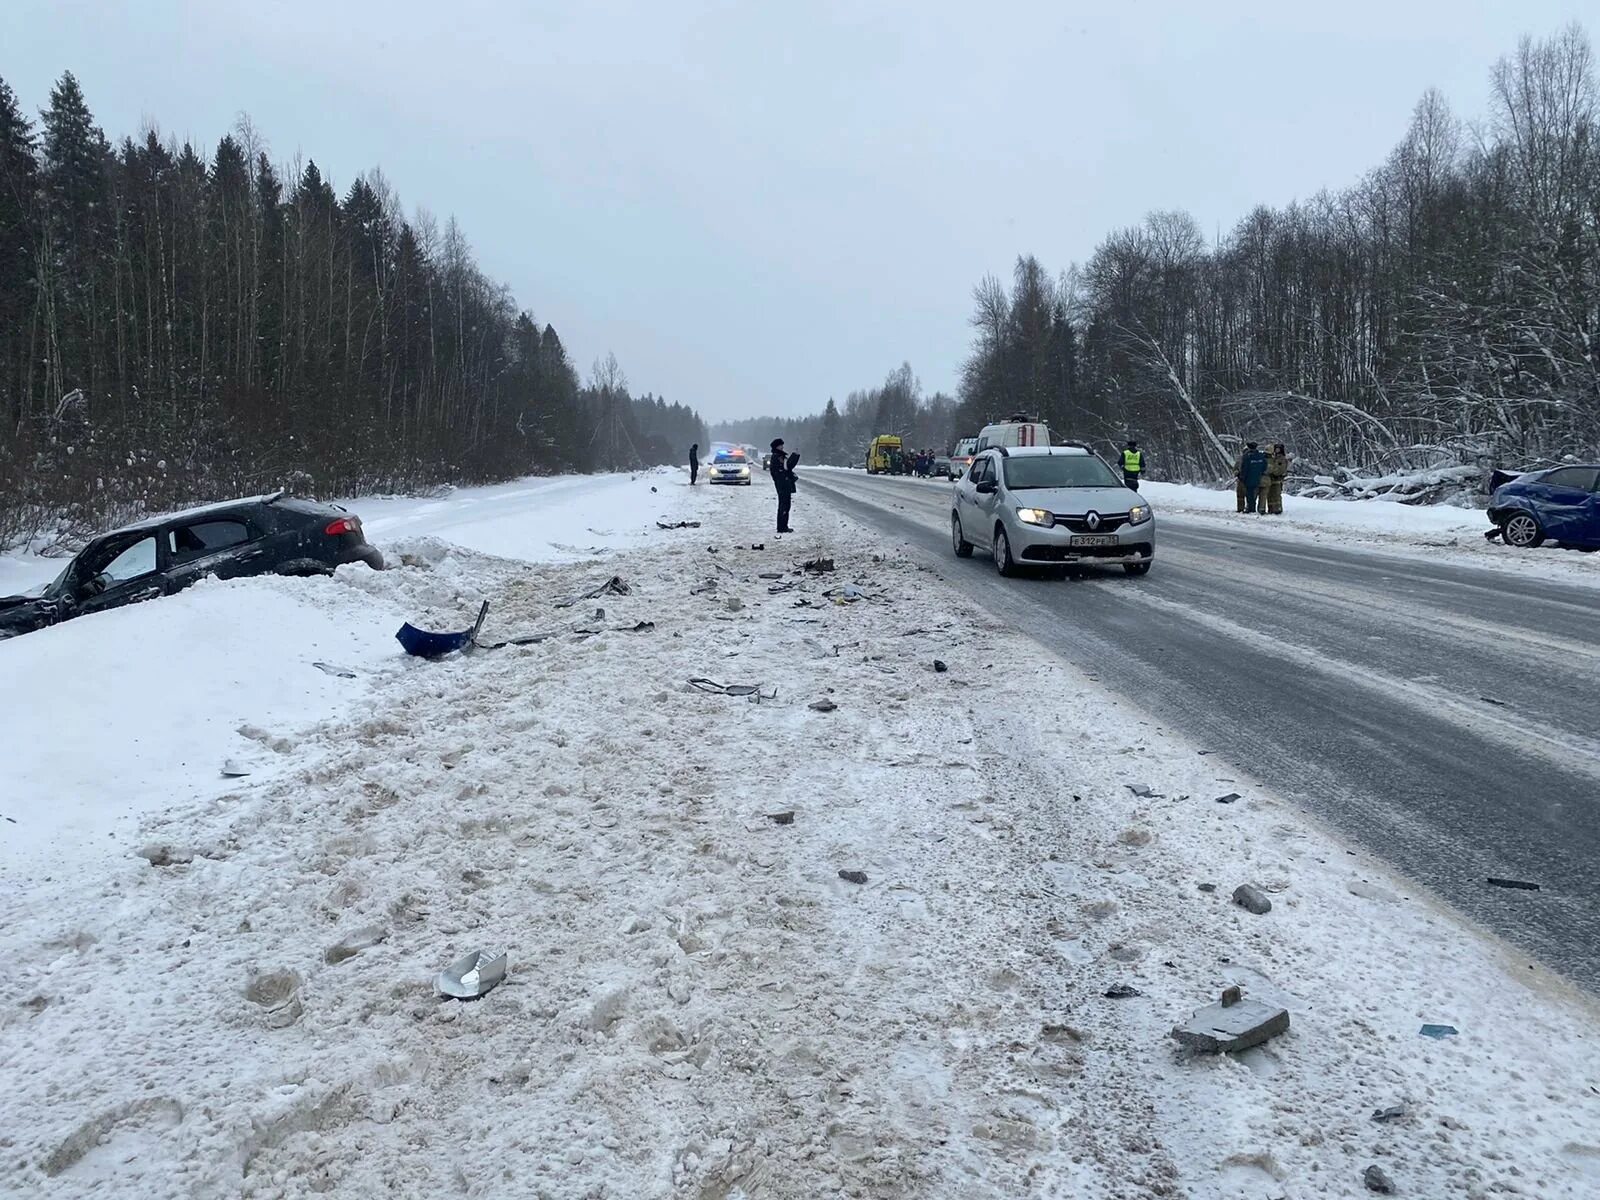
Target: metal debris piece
{"type": "Point", "coordinates": [709, 585]}
{"type": "Point", "coordinates": [939, 666]}
{"type": "Point", "coordinates": [426, 644]}
{"type": "Point", "coordinates": [232, 768]}
{"type": "Point", "coordinates": [1144, 791]}
{"type": "Point", "coordinates": [1393, 1113]}
{"type": "Point", "coordinates": [336, 672]}
{"type": "Point", "coordinates": [818, 566]}
{"type": "Point", "coordinates": [472, 975]}
{"type": "Point", "coordinates": [642, 627]}
{"type": "Point", "coordinates": [1519, 884]}
{"type": "Point", "coordinates": [824, 705]}
{"type": "Point", "coordinates": [727, 689]}
{"type": "Point", "coordinates": [677, 524]}
{"type": "Point", "coordinates": [1122, 991]}
{"type": "Point", "coordinates": [1438, 1031]}
{"type": "Point", "coordinates": [783, 818]}
{"type": "Point", "coordinates": [615, 586]}
{"type": "Point", "coordinates": [1229, 798]}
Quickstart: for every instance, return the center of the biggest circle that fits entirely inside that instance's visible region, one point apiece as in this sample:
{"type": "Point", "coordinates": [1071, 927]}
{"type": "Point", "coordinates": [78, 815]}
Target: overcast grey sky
{"type": "Point", "coordinates": [757, 206]}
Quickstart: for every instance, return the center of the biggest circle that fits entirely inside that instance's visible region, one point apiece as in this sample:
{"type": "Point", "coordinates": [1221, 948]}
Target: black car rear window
{"type": "Point", "coordinates": [207, 537]}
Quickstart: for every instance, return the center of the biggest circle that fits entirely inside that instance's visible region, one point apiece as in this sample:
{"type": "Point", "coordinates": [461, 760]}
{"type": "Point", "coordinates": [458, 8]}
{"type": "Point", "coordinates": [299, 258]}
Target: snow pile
{"type": "Point", "coordinates": [137, 709]}
{"type": "Point", "coordinates": [765, 947]}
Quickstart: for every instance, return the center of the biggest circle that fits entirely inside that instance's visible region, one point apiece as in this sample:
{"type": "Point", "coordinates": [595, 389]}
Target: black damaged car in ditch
{"type": "Point", "coordinates": [267, 535]}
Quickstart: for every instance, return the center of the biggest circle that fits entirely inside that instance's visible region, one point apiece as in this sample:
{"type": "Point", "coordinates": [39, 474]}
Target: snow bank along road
{"type": "Point", "coordinates": [700, 1006]}
{"type": "Point", "coordinates": [1445, 717]}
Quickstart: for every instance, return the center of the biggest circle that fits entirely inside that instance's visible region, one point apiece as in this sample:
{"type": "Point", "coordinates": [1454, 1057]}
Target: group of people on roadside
{"type": "Point", "coordinates": [1258, 478]}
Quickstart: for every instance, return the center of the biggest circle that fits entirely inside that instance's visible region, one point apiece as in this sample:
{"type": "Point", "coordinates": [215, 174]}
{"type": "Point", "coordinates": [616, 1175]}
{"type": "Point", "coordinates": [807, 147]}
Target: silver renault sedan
{"type": "Point", "coordinates": [1050, 505]}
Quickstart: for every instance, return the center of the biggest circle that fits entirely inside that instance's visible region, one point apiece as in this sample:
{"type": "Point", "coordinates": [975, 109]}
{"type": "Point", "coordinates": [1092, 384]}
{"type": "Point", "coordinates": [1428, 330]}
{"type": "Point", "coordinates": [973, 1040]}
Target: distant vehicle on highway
{"type": "Point", "coordinates": [1017, 431]}
{"type": "Point", "coordinates": [961, 456]}
{"type": "Point", "coordinates": [262, 536]}
{"type": "Point", "coordinates": [885, 455]}
{"type": "Point", "coordinates": [942, 467]}
{"type": "Point", "coordinates": [730, 466]}
{"type": "Point", "coordinates": [1039, 505]}
{"type": "Point", "coordinates": [1559, 505]}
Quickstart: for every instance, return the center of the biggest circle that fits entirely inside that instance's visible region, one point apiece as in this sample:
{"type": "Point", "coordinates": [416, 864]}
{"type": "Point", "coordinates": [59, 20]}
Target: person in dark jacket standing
{"type": "Point", "coordinates": [1252, 469]}
{"type": "Point", "coordinates": [782, 469]}
{"type": "Point", "coordinates": [694, 463]}
{"type": "Point", "coordinates": [1132, 464]}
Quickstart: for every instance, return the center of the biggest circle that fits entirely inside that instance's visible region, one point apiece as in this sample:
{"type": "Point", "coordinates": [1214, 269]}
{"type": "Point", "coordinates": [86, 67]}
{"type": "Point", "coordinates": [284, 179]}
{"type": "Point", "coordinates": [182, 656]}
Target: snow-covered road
{"type": "Point", "coordinates": [700, 1004]}
{"type": "Point", "coordinates": [1427, 709]}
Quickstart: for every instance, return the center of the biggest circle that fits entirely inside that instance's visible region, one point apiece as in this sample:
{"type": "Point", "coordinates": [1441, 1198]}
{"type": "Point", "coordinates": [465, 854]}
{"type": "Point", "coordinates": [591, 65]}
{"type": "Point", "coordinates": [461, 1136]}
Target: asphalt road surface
{"type": "Point", "coordinates": [1444, 717]}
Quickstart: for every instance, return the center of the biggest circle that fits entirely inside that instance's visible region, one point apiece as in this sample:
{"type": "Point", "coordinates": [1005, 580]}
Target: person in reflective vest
{"type": "Point", "coordinates": [1132, 464]}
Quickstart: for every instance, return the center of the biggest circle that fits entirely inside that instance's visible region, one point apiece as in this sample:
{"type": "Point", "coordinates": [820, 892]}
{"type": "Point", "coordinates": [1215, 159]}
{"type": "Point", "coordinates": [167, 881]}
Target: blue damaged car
{"type": "Point", "coordinates": [1559, 505]}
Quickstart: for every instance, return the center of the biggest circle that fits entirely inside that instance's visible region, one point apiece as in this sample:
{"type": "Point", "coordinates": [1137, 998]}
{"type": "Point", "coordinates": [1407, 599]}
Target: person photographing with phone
{"type": "Point", "coordinates": [781, 469]}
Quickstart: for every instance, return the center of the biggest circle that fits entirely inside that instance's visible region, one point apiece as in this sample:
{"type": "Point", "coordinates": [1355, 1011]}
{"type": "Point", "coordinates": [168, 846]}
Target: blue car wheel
{"type": "Point", "coordinates": [1522, 530]}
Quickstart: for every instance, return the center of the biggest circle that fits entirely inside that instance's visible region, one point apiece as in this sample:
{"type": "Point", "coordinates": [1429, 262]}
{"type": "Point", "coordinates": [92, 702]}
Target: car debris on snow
{"type": "Point", "coordinates": [823, 705]}
{"type": "Point", "coordinates": [1252, 899]}
{"type": "Point", "coordinates": [847, 594]}
{"type": "Point", "coordinates": [701, 683]}
{"type": "Point", "coordinates": [335, 671]}
{"type": "Point", "coordinates": [1520, 885]}
{"type": "Point", "coordinates": [1231, 1024]}
{"type": "Point", "coordinates": [232, 768]}
{"type": "Point", "coordinates": [1229, 798]}
{"type": "Point", "coordinates": [782, 818]}
{"type": "Point", "coordinates": [677, 524]}
{"type": "Point", "coordinates": [853, 876]}
{"type": "Point", "coordinates": [615, 586]}
{"type": "Point", "coordinates": [472, 975]}
{"type": "Point", "coordinates": [1144, 791]}
{"type": "Point", "coordinates": [1377, 1181]}
{"type": "Point", "coordinates": [1438, 1031]}
{"type": "Point", "coordinates": [1122, 991]}
{"type": "Point", "coordinates": [818, 566]}
{"type": "Point", "coordinates": [1393, 1113]}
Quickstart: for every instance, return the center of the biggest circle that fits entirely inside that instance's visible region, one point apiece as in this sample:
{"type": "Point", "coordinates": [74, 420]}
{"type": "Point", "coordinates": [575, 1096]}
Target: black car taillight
{"type": "Point", "coordinates": [342, 525]}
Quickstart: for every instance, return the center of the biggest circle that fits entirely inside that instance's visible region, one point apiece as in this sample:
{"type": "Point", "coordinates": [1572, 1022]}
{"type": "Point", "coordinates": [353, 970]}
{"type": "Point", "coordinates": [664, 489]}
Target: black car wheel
{"type": "Point", "coordinates": [303, 568]}
{"type": "Point", "coordinates": [1522, 530]}
{"type": "Point", "coordinates": [959, 544]}
{"type": "Point", "coordinates": [1003, 562]}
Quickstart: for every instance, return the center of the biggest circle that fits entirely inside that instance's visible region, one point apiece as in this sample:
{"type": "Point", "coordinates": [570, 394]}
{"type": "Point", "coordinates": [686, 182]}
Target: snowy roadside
{"type": "Point", "coordinates": [1442, 532]}
{"type": "Point", "coordinates": [700, 1005]}
{"type": "Point", "coordinates": [134, 710]}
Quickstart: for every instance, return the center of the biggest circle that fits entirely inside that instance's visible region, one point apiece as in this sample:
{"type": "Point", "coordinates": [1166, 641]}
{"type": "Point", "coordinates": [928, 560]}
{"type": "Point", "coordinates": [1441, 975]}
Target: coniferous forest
{"type": "Point", "coordinates": [1440, 315]}
{"type": "Point", "coordinates": [177, 325]}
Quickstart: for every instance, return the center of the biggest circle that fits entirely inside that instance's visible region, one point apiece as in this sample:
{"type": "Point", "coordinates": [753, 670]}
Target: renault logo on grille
{"type": "Point", "coordinates": [1092, 520]}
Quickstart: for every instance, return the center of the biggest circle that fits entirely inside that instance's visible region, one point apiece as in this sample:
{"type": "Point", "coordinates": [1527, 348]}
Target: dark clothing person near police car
{"type": "Point", "coordinates": [694, 463]}
{"type": "Point", "coordinates": [782, 470]}
{"type": "Point", "coordinates": [1132, 464]}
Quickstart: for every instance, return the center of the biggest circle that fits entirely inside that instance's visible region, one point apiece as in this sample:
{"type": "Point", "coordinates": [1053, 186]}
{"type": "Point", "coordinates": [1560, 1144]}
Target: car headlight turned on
{"type": "Point", "coordinates": [744, 470]}
{"type": "Point", "coordinates": [1036, 516]}
{"type": "Point", "coordinates": [1138, 514]}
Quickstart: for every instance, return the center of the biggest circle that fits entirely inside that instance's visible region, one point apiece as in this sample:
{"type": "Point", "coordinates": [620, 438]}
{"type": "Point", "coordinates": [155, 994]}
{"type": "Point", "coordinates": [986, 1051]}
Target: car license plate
{"type": "Point", "coordinates": [1093, 539]}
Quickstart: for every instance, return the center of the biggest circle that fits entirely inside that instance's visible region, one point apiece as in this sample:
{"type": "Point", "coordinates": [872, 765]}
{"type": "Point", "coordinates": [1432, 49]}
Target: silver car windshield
{"type": "Point", "coordinates": [1058, 471]}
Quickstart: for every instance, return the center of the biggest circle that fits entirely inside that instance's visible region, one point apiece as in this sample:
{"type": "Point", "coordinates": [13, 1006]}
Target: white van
{"type": "Point", "coordinates": [1013, 433]}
